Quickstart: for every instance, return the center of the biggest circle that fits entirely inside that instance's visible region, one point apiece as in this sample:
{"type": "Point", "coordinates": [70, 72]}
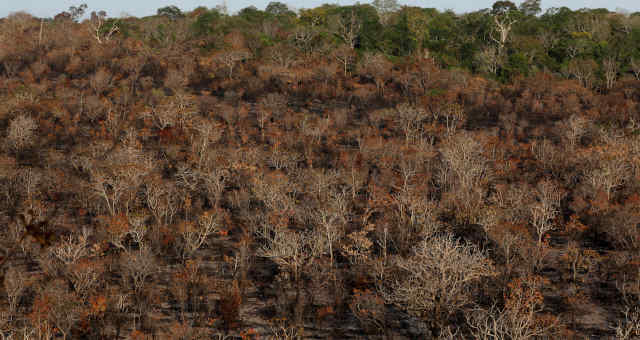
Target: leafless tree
{"type": "Point", "coordinates": [454, 116]}
{"type": "Point", "coordinates": [21, 132]}
{"type": "Point", "coordinates": [282, 56]}
{"type": "Point", "coordinates": [439, 277]}
{"type": "Point", "coordinates": [376, 66]}
{"type": "Point", "coordinates": [489, 59]}
{"type": "Point", "coordinates": [281, 158]}
{"type": "Point", "coordinates": [137, 226]}
{"type": "Point", "coordinates": [30, 179]}
{"type": "Point", "coordinates": [98, 29]}
{"type": "Point", "coordinates": [84, 276]}
{"type": "Point", "coordinates": [546, 207]}
{"type": "Point", "coordinates": [608, 174]}
{"type": "Point", "coordinates": [208, 134]}
{"type": "Point", "coordinates": [110, 188]}
{"type": "Point", "coordinates": [72, 248]}
{"type": "Point", "coordinates": [583, 70]}
{"type": "Point", "coordinates": [503, 25]}
{"type": "Point", "coordinates": [303, 39]}
{"type": "Point", "coordinates": [548, 155]}
{"type": "Point", "coordinates": [15, 283]}
{"type": "Point", "coordinates": [138, 266]}
{"type": "Point", "coordinates": [323, 180]}
{"type": "Point", "coordinates": [635, 67]}
{"type": "Point", "coordinates": [410, 120]}
{"type": "Point", "coordinates": [519, 320]}
{"type": "Point", "coordinates": [629, 327]}
{"type": "Point", "coordinates": [215, 182]}
{"type": "Point", "coordinates": [283, 330]}
{"type": "Point", "coordinates": [332, 218]}
{"type": "Point", "coordinates": [385, 9]}
{"type": "Point", "coordinates": [64, 308]}
{"type": "Point", "coordinates": [231, 58]}
{"type": "Point", "coordinates": [347, 28]}
{"type": "Point", "coordinates": [345, 56]}
{"type": "Point", "coordinates": [162, 200]}
{"type": "Point", "coordinates": [575, 128]}
{"type": "Point", "coordinates": [610, 68]}
{"type": "Point", "coordinates": [292, 250]}
{"type": "Point", "coordinates": [195, 235]}
{"type": "Point", "coordinates": [465, 159]}
{"type": "Point", "coordinates": [116, 180]}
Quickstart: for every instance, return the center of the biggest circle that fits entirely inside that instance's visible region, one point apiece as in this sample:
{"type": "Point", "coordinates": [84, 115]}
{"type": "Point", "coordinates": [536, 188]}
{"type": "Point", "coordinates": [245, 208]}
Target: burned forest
{"type": "Point", "coordinates": [372, 171]}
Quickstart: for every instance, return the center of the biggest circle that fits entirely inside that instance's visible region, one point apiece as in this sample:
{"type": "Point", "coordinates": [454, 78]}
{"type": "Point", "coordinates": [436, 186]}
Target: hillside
{"type": "Point", "coordinates": [341, 172]}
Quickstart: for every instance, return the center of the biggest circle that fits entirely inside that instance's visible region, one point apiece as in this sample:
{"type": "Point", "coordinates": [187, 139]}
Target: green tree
{"type": "Point", "coordinates": [442, 40]}
{"type": "Point", "coordinates": [205, 23]}
{"type": "Point", "coordinates": [76, 12]}
{"type": "Point", "coordinates": [530, 7]}
{"type": "Point", "coordinates": [399, 40]}
{"type": "Point", "coordinates": [277, 9]}
{"type": "Point", "coordinates": [171, 12]}
{"type": "Point", "coordinates": [385, 9]}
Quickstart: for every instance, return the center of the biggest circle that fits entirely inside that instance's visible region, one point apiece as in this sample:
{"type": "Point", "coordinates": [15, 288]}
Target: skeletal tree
{"type": "Point", "coordinates": [385, 9]}
{"type": "Point", "coordinates": [64, 308]}
{"type": "Point", "coordinates": [282, 56]}
{"type": "Point", "coordinates": [439, 277]}
{"type": "Point", "coordinates": [504, 18]}
{"type": "Point", "coordinates": [292, 250]}
{"type": "Point", "coordinates": [303, 39]}
{"type": "Point", "coordinates": [99, 29]}
{"type": "Point", "coordinates": [137, 267]}
{"type": "Point", "coordinates": [635, 67]}
{"type": "Point", "coordinates": [489, 59]}
{"type": "Point", "coordinates": [21, 132]}
{"type": "Point", "coordinates": [72, 248]}
{"type": "Point", "coordinates": [208, 133]}
{"type": "Point", "coordinates": [84, 276]}
{"type": "Point", "coordinates": [583, 70]}
{"type": "Point", "coordinates": [574, 128]}
{"type": "Point", "coordinates": [376, 66]}
{"type": "Point", "coordinates": [15, 283]}
{"type": "Point", "coordinates": [195, 235]}
{"type": "Point", "coordinates": [518, 320]}
{"type": "Point", "coordinates": [608, 174]}
{"type": "Point", "coordinates": [230, 59]}
{"type": "Point", "coordinates": [464, 157]}
{"type": "Point", "coordinates": [466, 172]}
{"type": "Point", "coordinates": [454, 116]}
{"type": "Point", "coordinates": [546, 207]}
{"type": "Point", "coordinates": [345, 56]}
{"type": "Point", "coordinates": [323, 180]}
{"type": "Point", "coordinates": [332, 217]}
{"type": "Point", "coordinates": [110, 188]}
{"type": "Point", "coordinates": [116, 180]}
{"type": "Point", "coordinates": [610, 68]}
{"type": "Point", "coordinates": [347, 28]}
{"type": "Point", "coordinates": [629, 327]}
{"type": "Point", "coordinates": [29, 179]}
{"type": "Point", "coordinates": [138, 226]}
{"type": "Point", "coordinates": [215, 182]}
{"type": "Point", "coordinates": [410, 120]}
{"type": "Point", "coordinates": [162, 201]}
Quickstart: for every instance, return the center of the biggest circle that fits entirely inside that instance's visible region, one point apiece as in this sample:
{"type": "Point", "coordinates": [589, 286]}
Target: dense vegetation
{"type": "Point", "coordinates": [367, 171]}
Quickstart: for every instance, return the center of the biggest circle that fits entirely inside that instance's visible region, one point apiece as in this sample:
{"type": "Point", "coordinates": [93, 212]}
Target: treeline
{"type": "Point", "coordinates": [595, 46]}
{"type": "Point", "coordinates": [504, 42]}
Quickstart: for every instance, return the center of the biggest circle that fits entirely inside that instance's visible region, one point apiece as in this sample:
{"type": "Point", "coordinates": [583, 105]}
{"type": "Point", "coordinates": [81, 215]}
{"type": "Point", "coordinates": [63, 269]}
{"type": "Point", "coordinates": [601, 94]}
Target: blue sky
{"type": "Point", "coordinates": [116, 8]}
